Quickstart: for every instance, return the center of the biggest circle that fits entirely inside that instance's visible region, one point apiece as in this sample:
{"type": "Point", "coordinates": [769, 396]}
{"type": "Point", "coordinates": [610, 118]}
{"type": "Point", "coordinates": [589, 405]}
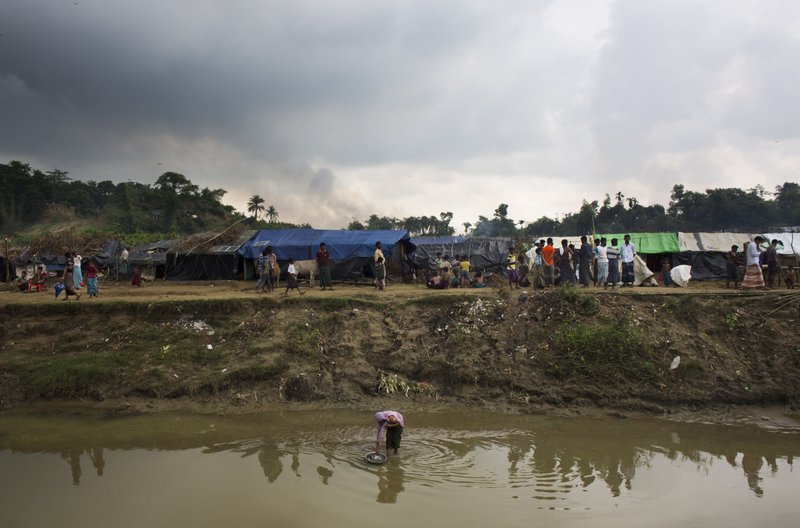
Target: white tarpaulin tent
{"type": "Point", "coordinates": [790, 241]}
{"type": "Point", "coordinates": [720, 242]}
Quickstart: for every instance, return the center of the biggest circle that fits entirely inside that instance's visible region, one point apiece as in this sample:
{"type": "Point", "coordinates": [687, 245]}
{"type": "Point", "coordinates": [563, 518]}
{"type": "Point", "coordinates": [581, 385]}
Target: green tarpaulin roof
{"type": "Point", "coordinates": [649, 242]}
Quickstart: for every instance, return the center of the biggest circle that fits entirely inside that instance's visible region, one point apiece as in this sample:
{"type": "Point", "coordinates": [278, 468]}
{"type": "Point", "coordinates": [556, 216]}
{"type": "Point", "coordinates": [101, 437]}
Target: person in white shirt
{"type": "Point", "coordinates": [627, 253]}
{"type": "Point", "coordinates": [602, 261]}
{"type": "Point", "coordinates": [291, 279]}
{"type": "Point", "coordinates": [753, 276]}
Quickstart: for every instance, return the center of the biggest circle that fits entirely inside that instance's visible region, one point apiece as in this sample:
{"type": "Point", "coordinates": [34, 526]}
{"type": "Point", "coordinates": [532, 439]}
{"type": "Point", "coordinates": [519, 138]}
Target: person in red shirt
{"type": "Point", "coordinates": [324, 266]}
{"type": "Point", "coordinates": [547, 261]}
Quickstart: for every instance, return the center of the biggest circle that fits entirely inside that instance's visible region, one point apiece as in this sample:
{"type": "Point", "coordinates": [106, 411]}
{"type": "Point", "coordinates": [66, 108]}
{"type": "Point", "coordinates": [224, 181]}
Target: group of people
{"type": "Point", "coordinates": [73, 279]}
{"type": "Point", "coordinates": [600, 263]}
{"type": "Point", "coordinates": [755, 258]}
{"type": "Point", "coordinates": [268, 271]}
{"type": "Point", "coordinates": [453, 274]}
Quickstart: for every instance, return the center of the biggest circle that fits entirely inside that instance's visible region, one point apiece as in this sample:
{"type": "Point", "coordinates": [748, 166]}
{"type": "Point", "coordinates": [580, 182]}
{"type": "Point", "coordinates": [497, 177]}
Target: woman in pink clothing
{"type": "Point", "coordinates": [392, 423]}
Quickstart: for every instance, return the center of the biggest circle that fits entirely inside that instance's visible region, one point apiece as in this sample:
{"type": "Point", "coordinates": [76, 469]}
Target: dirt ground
{"type": "Point", "coordinates": [222, 347]}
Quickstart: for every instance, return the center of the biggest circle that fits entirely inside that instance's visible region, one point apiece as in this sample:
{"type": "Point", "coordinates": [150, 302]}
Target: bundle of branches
{"type": "Point", "coordinates": [57, 242]}
{"type": "Point", "coordinates": [204, 241]}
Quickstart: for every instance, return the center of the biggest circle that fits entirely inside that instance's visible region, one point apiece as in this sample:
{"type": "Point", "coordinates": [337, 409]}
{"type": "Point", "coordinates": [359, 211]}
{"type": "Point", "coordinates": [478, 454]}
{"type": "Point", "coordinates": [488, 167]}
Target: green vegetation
{"type": "Point", "coordinates": [302, 339]}
{"type": "Point", "coordinates": [71, 377]}
{"type": "Point", "coordinates": [612, 350]}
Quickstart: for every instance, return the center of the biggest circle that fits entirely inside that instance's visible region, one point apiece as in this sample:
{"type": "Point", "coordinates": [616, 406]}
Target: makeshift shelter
{"type": "Point", "coordinates": [152, 258]}
{"type": "Point", "coordinates": [351, 251]}
{"type": "Point", "coordinates": [484, 253]}
{"type": "Point", "coordinates": [705, 252]}
{"type": "Point", "coordinates": [196, 259]}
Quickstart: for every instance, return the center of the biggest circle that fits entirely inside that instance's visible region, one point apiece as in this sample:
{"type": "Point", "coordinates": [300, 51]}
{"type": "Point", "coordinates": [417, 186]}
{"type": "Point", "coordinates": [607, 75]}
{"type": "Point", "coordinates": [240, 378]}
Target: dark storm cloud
{"type": "Point", "coordinates": [354, 104]}
{"type": "Point", "coordinates": [345, 81]}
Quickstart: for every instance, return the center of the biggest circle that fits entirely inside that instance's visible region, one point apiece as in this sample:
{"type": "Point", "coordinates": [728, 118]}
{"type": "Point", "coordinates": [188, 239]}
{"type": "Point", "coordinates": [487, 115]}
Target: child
{"type": "Point", "coordinates": [790, 276]}
{"type": "Point", "coordinates": [136, 280]}
{"type": "Point", "coordinates": [464, 265]}
{"type": "Point", "coordinates": [23, 283]}
{"type": "Point", "coordinates": [478, 281]}
{"type": "Point", "coordinates": [91, 278]}
{"type": "Point", "coordinates": [732, 268]}
{"type": "Point", "coordinates": [291, 279]}
{"type": "Point", "coordinates": [665, 273]}
{"type": "Point", "coordinates": [380, 273]}
{"type": "Point", "coordinates": [40, 280]}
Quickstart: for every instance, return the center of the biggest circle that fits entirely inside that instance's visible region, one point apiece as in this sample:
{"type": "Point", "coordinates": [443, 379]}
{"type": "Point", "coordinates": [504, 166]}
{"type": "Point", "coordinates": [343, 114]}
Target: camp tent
{"type": "Point", "coordinates": [705, 252]}
{"type": "Point", "coordinates": [484, 253]}
{"type": "Point", "coordinates": [220, 262]}
{"type": "Point", "coordinates": [351, 251]}
{"type": "Point", "coordinates": [152, 257]}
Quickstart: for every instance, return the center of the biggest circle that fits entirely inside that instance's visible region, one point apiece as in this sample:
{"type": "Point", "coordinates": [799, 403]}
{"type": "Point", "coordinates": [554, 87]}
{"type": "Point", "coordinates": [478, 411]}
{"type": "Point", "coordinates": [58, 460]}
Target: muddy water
{"type": "Point", "coordinates": [460, 469]}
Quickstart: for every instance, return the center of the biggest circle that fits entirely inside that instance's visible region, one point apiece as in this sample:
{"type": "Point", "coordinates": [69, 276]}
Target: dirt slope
{"type": "Point", "coordinates": [225, 347]}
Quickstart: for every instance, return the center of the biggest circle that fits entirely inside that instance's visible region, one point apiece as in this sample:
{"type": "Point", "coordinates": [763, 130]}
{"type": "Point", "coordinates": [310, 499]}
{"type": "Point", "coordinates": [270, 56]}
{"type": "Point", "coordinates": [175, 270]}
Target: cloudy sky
{"type": "Point", "coordinates": [336, 109]}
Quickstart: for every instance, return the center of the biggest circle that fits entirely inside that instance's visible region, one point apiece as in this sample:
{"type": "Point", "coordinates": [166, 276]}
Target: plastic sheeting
{"type": "Point", "coordinates": [790, 241]}
{"type": "Point", "coordinates": [488, 253]}
{"type": "Point", "coordinates": [680, 275]}
{"type": "Point", "coordinates": [642, 274]}
{"type": "Point", "coordinates": [302, 244]}
{"type": "Point", "coordinates": [719, 242]}
{"type": "Point", "coordinates": [201, 266]}
{"type": "Point", "coordinates": [648, 243]}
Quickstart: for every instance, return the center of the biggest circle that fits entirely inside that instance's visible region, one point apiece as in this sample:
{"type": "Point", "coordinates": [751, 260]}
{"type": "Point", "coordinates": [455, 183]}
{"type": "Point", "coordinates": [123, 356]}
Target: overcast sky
{"type": "Point", "coordinates": [333, 110]}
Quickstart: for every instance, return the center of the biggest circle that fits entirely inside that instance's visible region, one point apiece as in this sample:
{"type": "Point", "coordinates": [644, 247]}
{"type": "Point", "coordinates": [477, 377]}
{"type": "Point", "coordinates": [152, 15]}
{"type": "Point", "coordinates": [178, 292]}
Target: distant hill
{"type": "Point", "coordinates": [32, 201]}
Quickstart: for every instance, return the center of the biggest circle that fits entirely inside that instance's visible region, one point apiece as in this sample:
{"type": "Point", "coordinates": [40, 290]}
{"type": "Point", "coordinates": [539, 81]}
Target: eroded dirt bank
{"type": "Point", "coordinates": [523, 351]}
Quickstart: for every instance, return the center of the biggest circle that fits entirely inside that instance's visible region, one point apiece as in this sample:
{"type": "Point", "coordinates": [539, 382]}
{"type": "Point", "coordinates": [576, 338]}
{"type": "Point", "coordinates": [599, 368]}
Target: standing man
{"type": "Point", "coordinates": [263, 273]}
{"type": "Point", "coordinates": [123, 262]}
{"type": "Point", "coordinates": [627, 253]}
{"type": "Point", "coordinates": [324, 265]}
{"type": "Point", "coordinates": [585, 262]}
{"type": "Point", "coordinates": [753, 277]}
{"type": "Point", "coordinates": [391, 423]}
{"type": "Point", "coordinates": [613, 265]}
{"type": "Point", "coordinates": [602, 262]}
{"type": "Point", "coordinates": [773, 265]}
{"type": "Point", "coordinates": [566, 263]}
{"type": "Point", "coordinates": [548, 262]}
{"type": "Point", "coordinates": [375, 256]}
{"type": "Point", "coordinates": [732, 268]}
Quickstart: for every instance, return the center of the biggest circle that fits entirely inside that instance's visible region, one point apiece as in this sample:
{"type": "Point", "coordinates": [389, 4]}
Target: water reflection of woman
{"type": "Point", "coordinates": [390, 484]}
{"type": "Point", "coordinates": [270, 459]}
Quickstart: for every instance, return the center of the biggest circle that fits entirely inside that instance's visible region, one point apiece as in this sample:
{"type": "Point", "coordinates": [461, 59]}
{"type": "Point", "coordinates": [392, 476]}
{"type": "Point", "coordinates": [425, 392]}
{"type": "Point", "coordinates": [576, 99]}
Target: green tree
{"type": "Point", "coordinates": [255, 205]}
{"type": "Point", "coordinates": [272, 214]}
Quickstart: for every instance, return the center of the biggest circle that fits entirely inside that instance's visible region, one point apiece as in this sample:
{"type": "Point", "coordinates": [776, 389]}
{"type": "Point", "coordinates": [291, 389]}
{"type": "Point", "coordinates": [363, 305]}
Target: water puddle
{"type": "Point", "coordinates": [453, 469]}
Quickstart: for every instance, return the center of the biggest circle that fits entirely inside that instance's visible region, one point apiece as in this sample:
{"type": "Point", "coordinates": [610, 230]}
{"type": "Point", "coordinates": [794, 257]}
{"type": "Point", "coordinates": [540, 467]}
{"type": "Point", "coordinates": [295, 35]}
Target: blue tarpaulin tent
{"type": "Point", "coordinates": [350, 250]}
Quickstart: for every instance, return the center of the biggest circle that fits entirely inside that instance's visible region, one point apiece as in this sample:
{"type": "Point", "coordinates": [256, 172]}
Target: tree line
{"type": "Point", "coordinates": [173, 204]}
{"type": "Point", "coordinates": [724, 209]}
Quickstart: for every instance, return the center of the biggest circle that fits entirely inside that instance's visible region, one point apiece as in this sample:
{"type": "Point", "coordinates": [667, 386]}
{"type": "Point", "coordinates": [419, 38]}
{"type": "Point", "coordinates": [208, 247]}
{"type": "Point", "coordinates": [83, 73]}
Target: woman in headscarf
{"type": "Point", "coordinates": [390, 423]}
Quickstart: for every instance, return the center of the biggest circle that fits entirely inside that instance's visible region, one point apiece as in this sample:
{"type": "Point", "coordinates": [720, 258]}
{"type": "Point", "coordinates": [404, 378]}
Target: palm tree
{"type": "Point", "coordinates": [272, 214]}
{"type": "Point", "coordinates": [619, 196]}
{"type": "Point", "coordinates": [255, 205]}
{"type": "Point", "coordinates": [466, 225]}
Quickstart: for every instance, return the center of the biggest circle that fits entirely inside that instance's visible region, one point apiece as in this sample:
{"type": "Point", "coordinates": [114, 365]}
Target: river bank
{"type": "Point", "coordinates": [223, 349]}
